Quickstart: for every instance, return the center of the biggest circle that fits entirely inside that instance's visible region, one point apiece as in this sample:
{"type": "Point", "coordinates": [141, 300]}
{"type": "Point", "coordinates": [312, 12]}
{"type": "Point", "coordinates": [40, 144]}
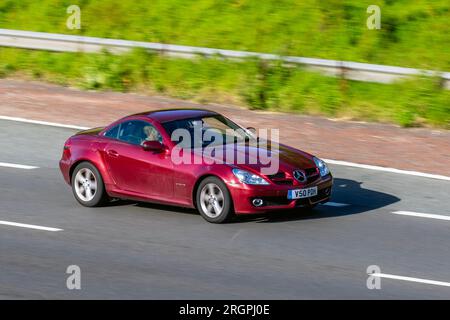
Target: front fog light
{"type": "Point", "coordinates": [257, 202]}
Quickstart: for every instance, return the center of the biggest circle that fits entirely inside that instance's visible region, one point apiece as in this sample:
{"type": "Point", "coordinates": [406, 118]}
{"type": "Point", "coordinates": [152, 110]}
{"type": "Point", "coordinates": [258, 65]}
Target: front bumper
{"type": "Point", "coordinates": [275, 196]}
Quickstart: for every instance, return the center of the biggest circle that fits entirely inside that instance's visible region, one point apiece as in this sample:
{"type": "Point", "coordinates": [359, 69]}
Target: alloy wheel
{"type": "Point", "coordinates": [212, 200]}
{"type": "Point", "coordinates": [85, 184]}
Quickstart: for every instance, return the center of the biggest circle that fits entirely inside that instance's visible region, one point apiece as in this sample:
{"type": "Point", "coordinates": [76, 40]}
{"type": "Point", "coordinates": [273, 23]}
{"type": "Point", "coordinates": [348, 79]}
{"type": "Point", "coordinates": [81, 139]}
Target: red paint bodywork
{"type": "Point", "coordinates": [130, 172]}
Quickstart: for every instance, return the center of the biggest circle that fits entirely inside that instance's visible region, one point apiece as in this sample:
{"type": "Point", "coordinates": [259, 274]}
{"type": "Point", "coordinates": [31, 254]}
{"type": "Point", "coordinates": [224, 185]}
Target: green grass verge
{"type": "Point", "coordinates": [413, 33]}
{"type": "Point", "coordinates": [252, 83]}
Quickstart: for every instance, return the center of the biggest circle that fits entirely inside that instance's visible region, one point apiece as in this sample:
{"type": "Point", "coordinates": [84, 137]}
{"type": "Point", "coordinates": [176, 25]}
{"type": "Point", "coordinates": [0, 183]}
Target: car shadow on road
{"type": "Point", "coordinates": [151, 205]}
{"type": "Point", "coordinates": [166, 207]}
{"type": "Point", "coordinates": [357, 199]}
{"type": "Point", "coordinates": [345, 191]}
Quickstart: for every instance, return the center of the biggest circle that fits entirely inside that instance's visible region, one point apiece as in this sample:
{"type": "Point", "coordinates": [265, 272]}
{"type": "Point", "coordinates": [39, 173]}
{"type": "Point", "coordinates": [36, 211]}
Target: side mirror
{"type": "Point", "coordinates": [153, 146]}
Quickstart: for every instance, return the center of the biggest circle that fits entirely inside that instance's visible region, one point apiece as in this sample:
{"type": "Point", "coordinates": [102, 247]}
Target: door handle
{"type": "Point", "coordinates": [112, 153]}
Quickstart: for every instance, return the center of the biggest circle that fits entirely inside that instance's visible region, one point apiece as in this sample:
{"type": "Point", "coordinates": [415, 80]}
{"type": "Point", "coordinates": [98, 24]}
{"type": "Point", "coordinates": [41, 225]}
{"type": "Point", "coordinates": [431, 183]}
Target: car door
{"type": "Point", "coordinates": [144, 173]}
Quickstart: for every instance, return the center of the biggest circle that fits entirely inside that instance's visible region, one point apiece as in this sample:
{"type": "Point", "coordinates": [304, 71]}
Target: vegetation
{"type": "Point", "coordinates": [252, 83]}
{"type": "Point", "coordinates": [413, 34]}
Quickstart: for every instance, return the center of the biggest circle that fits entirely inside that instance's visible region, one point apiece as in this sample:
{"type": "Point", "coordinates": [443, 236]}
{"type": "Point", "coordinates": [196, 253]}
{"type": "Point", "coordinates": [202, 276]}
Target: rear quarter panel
{"type": "Point", "coordinates": [85, 148]}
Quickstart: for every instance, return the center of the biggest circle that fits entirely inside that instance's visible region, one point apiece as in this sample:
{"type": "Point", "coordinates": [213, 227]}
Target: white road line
{"type": "Point", "coordinates": [29, 226]}
{"type": "Point", "coordinates": [17, 166]}
{"type": "Point", "coordinates": [335, 204]}
{"type": "Point", "coordinates": [45, 123]}
{"type": "Point", "coordinates": [331, 161]}
{"type": "Point", "coordinates": [422, 215]}
{"type": "Point", "coordinates": [426, 281]}
{"type": "Point", "coordinates": [386, 169]}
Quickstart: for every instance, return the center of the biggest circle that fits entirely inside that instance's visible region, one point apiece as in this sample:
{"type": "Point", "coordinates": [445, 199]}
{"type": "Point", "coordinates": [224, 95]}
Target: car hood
{"type": "Point", "coordinates": [288, 158]}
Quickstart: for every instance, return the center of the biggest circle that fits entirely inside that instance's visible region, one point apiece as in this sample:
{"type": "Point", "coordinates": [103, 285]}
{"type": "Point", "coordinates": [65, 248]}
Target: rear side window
{"type": "Point", "coordinates": [113, 132]}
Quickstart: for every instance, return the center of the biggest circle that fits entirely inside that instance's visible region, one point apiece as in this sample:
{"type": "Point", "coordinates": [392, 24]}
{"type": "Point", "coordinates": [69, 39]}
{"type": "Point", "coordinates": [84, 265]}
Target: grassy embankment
{"type": "Point", "coordinates": [413, 34]}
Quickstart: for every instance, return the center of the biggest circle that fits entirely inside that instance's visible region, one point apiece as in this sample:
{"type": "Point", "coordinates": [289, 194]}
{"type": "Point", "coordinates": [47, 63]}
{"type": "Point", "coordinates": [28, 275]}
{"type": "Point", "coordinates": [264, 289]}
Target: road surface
{"type": "Point", "coordinates": [145, 251]}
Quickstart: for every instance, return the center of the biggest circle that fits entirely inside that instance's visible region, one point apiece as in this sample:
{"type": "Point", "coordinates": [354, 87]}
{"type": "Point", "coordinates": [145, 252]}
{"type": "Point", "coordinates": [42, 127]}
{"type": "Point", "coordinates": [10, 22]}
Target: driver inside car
{"type": "Point", "coordinates": [151, 134]}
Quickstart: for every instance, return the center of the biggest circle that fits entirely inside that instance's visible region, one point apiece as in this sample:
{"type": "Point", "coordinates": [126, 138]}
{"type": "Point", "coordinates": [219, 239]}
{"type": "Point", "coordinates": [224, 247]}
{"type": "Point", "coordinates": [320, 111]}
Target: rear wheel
{"type": "Point", "coordinates": [87, 185]}
{"type": "Point", "coordinates": [214, 201]}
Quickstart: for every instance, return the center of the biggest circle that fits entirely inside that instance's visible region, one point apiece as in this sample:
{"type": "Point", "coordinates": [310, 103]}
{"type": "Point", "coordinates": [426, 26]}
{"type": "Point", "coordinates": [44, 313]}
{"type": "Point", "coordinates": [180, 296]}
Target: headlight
{"type": "Point", "coordinates": [249, 178]}
{"type": "Point", "coordinates": [323, 169]}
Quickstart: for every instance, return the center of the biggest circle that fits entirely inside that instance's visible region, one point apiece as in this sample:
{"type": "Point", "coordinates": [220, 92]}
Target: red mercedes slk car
{"type": "Point", "coordinates": [160, 156]}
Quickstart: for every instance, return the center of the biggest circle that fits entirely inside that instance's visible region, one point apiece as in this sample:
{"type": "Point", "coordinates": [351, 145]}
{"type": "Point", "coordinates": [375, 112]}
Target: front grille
{"type": "Point", "coordinates": [312, 174]}
{"type": "Point", "coordinates": [273, 201]}
{"type": "Point", "coordinates": [280, 178]}
{"type": "Point", "coordinates": [278, 175]}
{"type": "Point", "coordinates": [321, 195]}
{"type": "Point", "coordinates": [283, 200]}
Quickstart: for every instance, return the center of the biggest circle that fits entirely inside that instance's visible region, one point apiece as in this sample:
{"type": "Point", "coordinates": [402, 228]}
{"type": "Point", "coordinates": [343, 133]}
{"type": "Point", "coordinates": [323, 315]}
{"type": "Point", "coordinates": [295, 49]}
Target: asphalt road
{"type": "Point", "coordinates": [145, 251]}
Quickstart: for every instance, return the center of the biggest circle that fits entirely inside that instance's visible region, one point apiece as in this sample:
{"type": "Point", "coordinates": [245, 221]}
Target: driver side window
{"type": "Point", "coordinates": [136, 132]}
{"type": "Point", "coordinates": [113, 132]}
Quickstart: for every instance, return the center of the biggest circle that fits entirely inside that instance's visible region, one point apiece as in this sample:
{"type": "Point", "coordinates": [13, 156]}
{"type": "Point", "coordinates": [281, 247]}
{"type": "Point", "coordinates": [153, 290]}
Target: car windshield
{"type": "Point", "coordinates": [206, 131]}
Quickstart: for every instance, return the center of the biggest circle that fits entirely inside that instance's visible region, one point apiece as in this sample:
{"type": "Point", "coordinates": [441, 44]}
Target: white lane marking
{"type": "Point", "coordinates": [334, 204]}
{"type": "Point", "coordinates": [29, 226]}
{"type": "Point", "coordinates": [331, 161]}
{"type": "Point", "coordinates": [17, 166]}
{"type": "Point", "coordinates": [391, 276]}
{"type": "Point", "coordinates": [422, 215]}
{"type": "Point", "coordinates": [45, 123]}
{"type": "Point", "coordinates": [387, 169]}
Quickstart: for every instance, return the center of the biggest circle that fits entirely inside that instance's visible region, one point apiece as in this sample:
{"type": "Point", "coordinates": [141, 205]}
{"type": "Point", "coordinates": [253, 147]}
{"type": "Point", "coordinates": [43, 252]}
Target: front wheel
{"type": "Point", "coordinates": [214, 201]}
{"type": "Point", "coordinates": [87, 185]}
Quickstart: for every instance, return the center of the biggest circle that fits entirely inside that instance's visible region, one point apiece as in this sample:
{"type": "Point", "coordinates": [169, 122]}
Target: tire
{"type": "Point", "coordinates": [87, 177]}
{"type": "Point", "coordinates": [212, 195]}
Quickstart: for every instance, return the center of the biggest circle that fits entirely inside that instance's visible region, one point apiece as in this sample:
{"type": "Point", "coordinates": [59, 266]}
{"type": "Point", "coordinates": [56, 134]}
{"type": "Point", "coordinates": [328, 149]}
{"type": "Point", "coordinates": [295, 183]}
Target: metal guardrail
{"type": "Point", "coordinates": [71, 43]}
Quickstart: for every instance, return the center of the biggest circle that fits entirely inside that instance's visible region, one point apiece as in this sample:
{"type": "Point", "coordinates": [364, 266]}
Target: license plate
{"type": "Point", "coordinates": [302, 193]}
